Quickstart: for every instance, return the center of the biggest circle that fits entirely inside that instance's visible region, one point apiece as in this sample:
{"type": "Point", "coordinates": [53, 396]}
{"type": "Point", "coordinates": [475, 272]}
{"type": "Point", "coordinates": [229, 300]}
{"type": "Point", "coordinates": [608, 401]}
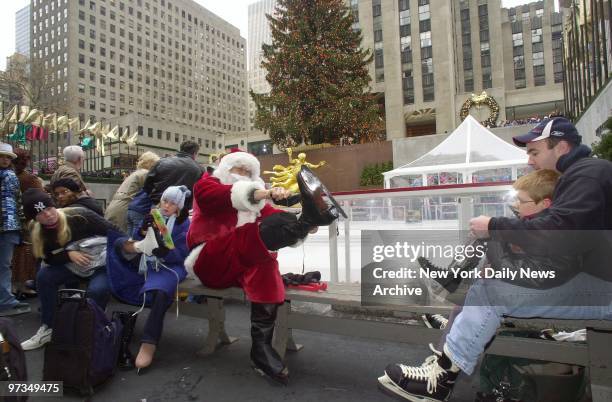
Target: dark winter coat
{"type": "Point", "coordinates": [173, 171]}
{"type": "Point", "coordinates": [89, 203]}
{"type": "Point", "coordinates": [579, 222]}
{"type": "Point", "coordinates": [83, 223]}
{"type": "Point", "coordinates": [501, 256]}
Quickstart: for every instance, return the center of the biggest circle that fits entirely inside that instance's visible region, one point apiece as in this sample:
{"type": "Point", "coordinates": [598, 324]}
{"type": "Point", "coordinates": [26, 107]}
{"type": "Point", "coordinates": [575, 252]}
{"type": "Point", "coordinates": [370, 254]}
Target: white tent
{"type": "Point", "coordinates": [470, 154]}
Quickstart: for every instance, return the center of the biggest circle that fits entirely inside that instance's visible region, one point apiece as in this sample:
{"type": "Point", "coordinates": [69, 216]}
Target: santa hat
{"type": "Point", "coordinates": [237, 158]}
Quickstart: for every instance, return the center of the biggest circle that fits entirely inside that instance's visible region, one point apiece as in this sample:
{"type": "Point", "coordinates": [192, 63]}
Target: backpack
{"type": "Point", "coordinates": [529, 380]}
{"type": "Point", "coordinates": [84, 345]}
{"type": "Point", "coordinates": [12, 358]}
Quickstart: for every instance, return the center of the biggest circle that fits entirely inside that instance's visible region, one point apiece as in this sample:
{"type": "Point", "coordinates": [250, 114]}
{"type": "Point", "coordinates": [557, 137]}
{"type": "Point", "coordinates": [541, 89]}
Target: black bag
{"type": "Point", "coordinates": [84, 345]}
{"type": "Point", "coordinates": [12, 358]}
{"type": "Point", "coordinates": [529, 380]}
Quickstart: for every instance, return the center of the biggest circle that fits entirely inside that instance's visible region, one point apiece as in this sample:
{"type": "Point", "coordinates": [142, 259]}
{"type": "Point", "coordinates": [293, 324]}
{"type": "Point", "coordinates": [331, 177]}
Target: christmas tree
{"type": "Point", "coordinates": [318, 76]}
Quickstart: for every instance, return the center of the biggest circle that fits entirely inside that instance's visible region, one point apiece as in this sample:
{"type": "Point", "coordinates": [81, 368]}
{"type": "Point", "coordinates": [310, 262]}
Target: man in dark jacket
{"type": "Point", "coordinates": [179, 170]}
{"type": "Point", "coordinates": [582, 200]}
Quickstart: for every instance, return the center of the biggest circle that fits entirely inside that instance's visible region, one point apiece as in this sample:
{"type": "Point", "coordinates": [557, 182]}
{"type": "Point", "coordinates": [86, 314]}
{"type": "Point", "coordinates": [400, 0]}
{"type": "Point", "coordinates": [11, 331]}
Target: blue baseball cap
{"type": "Point", "coordinates": [555, 127]}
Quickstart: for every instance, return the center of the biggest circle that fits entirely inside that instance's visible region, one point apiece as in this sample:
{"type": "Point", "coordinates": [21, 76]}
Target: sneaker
{"type": "Point", "coordinates": [19, 308]}
{"type": "Point", "coordinates": [433, 381]}
{"type": "Point", "coordinates": [40, 338]}
{"type": "Point", "coordinates": [437, 321]}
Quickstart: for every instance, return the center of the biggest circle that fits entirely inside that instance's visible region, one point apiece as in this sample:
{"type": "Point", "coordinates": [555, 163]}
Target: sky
{"type": "Point", "coordinates": [234, 11]}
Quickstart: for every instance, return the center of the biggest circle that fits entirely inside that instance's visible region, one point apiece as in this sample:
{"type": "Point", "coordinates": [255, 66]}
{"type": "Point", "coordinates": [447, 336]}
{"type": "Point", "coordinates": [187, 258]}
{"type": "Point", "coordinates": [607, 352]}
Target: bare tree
{"type": "Point", "coordinates": [31, 81]}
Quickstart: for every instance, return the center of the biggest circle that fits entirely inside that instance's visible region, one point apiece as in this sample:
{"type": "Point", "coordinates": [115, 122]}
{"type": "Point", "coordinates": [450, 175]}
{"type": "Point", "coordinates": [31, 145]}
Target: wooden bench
{"type": "Point", "coordinates": [596, 354]}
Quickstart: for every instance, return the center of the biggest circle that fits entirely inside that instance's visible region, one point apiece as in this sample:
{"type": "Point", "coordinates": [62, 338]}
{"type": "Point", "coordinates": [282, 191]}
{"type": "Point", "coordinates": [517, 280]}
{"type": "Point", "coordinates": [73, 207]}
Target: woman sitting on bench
{"type": "Point", "coordinates": [54, 233]}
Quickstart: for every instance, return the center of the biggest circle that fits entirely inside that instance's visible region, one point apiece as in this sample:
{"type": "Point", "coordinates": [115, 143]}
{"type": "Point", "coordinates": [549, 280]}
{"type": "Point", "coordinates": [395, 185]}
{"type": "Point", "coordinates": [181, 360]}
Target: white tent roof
{"type": "Point", "coordinates": [471, 147]}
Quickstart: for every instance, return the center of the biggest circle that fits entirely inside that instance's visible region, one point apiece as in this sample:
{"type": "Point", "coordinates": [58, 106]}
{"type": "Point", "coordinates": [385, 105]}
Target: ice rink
{"type": "Point", "coordinates": [314, 253]}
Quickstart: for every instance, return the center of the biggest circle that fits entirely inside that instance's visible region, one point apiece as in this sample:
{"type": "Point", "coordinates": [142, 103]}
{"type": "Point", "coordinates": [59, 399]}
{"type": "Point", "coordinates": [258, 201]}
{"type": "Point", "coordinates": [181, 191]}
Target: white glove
{"type": "Point", "coordinates": [148, 244]}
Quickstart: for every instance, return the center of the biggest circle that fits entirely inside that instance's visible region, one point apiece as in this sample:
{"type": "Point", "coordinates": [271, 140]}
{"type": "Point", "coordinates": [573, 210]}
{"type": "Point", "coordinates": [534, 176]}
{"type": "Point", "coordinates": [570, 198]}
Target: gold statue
{"type": "Point", "coordinates": [286, 176]}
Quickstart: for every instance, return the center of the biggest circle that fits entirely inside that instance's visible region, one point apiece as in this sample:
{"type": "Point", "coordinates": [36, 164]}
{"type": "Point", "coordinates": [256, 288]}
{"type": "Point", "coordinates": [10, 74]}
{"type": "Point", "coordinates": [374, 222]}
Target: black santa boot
{"type": "Point", "coordinates": [126, 358]}
{"type": "Point", "coordinates": [265, 359]}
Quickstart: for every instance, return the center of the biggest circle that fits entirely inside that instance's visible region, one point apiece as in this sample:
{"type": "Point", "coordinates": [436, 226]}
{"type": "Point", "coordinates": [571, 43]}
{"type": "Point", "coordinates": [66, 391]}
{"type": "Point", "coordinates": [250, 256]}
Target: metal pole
{"type": "Point", "coordinates": [604, 44]}
{"type": "Point", "coordinates": [333, 251]}
{"type": "Point", "coordinates": [347, 245]}
{"type": "Point", "coordinates": [466, 212]}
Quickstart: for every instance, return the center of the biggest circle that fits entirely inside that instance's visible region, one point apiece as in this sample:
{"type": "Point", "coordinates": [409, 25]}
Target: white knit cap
{"type": "Point", "coordinates": [176, 195]}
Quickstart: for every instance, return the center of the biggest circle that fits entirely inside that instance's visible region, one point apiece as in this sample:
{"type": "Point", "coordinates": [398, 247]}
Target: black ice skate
{"type": "Point", "coordinates": [437, 321]}
{"type": "Point", "coordinates": [315, 210]}
{"type": "Point", "coordinates": [433, 381]}
{"type": "Point", "coordinates": [451, 283]}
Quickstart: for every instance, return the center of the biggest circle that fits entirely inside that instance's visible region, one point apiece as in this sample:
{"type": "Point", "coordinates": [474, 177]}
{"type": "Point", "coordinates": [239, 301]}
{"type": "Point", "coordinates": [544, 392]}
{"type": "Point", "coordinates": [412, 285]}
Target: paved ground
{"type": "Point", "coordinates": [329, 368]}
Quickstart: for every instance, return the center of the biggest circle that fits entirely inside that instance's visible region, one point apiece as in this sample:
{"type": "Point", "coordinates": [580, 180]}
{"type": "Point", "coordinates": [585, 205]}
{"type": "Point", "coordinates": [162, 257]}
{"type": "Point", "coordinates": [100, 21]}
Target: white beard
{"type": "Point", "coordinates": [227, 178]}
{"type": "Point", "coordinates": [237, 177]}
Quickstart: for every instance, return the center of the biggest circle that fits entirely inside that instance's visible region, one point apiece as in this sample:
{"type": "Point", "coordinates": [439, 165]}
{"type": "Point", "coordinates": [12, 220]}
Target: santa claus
{"type": "Point", "coordinates": [234, 235]}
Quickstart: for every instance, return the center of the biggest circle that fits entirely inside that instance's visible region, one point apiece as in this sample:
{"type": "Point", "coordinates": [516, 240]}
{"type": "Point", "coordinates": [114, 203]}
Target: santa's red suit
{"type": "Point", "coordinates": [224, 234]}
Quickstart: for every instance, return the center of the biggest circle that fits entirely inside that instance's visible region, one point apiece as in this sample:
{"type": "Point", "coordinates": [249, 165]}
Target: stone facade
{"type": "Point", "coordinates": [168, 65]}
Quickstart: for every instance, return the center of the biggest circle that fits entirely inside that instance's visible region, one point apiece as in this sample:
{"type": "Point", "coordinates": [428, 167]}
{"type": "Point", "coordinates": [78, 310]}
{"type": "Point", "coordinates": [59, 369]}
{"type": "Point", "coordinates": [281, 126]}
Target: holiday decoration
{"type": "Point", "coordinates": [478, 101]}
{"type": "Point", "coordinates": [27, 125]}
{"type": "Point", "coordinates": [286, 176]}
{"type": "Point", "coordinates": [319, 78]}
{"type": "Point", "coordinates": [213, 158]}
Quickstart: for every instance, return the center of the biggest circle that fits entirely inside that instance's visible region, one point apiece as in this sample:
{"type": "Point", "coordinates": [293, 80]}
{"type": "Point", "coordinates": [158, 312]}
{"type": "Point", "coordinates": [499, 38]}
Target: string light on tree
{"type": "Point", "coordinates": [318, 76]}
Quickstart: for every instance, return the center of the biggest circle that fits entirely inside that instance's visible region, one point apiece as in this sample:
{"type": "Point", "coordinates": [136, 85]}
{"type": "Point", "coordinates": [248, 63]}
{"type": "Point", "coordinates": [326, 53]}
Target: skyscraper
{"type": "Point", "coordinates": [22, 31]}
{"type": "Point", "coordinates": [168, 69]}
{"type": "Point", "coordinates": [431, 55]}
{"type": "Point", "coordinates": [259, 34]}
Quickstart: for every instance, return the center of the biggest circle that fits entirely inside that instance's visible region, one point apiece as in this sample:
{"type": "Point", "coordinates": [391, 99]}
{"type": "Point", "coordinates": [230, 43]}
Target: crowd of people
{"type": "Point", "coordinates": [141, 247]}
{"type": "Point", "coordinates": [172, 218]}
{"type": "Point", "coordinates": [521, 122]}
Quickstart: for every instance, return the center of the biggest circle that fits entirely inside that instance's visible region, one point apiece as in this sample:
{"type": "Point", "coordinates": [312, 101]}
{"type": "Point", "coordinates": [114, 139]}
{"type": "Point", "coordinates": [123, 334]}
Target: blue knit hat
{"type": "Point", "coordinates": [176, 195]}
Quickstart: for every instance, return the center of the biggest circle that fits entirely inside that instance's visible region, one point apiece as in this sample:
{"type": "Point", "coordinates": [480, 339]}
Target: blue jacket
{"type": "Point", "coordinates": [141, 203]}
{"type": "Point", "coordinates": [10, 202]}
{"type": "Point", "coordinates": [128, 286]}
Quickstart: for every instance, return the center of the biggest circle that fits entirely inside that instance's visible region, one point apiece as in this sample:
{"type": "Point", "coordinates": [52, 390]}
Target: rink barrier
{"type": "Point", "coordinates": [465, 211]}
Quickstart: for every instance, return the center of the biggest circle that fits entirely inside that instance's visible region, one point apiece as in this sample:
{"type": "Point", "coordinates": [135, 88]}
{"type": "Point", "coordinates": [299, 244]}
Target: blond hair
{"type": "Point", "coordinates": [539, 184]}
{"type": "Point", "coordinates": [63, 234]}
{"type": "Point", "coordinates": [147, 160]}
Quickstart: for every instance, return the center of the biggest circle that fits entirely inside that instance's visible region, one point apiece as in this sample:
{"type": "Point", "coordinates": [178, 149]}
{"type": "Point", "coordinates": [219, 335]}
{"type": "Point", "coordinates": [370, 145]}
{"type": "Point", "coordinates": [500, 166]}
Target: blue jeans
{"type": "Point", "coordinates": [155, 321]}
{"type": "Point", "coordinates": [8, 241]}
{"type": "Point", "coordinates": [134, 220]}
{"type": "Point", "coordinates": [479, 320]}
{"type": "Point", "coordinates": [50, 278]}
